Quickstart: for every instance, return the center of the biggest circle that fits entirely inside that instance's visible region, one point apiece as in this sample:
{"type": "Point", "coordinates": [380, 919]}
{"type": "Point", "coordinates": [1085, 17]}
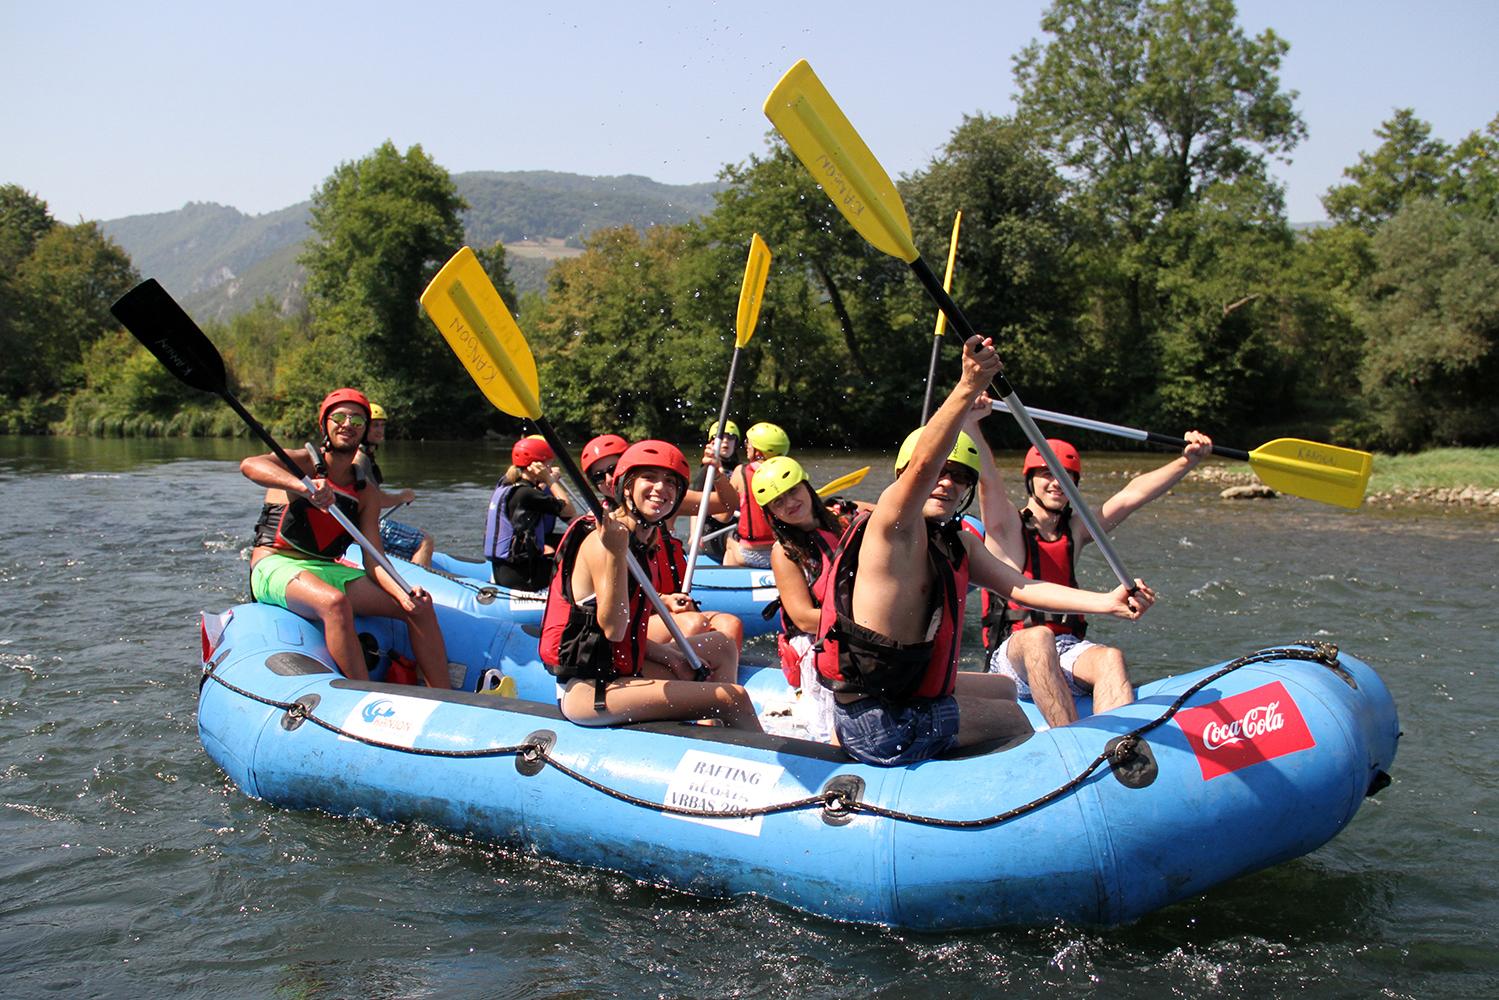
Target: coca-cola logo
{"type": "Point", "coordinates": [1245, 729]}
{"type": "Point", "coordinates": [1257, 721]}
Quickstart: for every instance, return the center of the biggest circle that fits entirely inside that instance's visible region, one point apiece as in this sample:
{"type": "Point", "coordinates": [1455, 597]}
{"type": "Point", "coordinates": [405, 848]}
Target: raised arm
{"type": "Point", "coordinates": [1144, 488]}
{"type": "Point", "coordinates": [1002, 531]}
{"type": "Point", "coordinates": [901, 504]}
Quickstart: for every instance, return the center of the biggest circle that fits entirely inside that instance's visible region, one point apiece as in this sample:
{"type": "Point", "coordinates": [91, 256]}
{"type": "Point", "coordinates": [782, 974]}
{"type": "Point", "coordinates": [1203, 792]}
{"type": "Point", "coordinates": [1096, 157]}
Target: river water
{"type": "Point", "coordinates": [132, 868]}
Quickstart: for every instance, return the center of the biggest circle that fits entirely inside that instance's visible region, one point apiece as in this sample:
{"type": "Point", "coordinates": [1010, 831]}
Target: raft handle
{"type": "Point", "coordinates": [532, 759]}
{"type": "Point", "coordinates": [1132, 761]}
{"type": "Point", "coordinates": [299, 711]}
{"type": "Point", "coordinates": [840, 796]}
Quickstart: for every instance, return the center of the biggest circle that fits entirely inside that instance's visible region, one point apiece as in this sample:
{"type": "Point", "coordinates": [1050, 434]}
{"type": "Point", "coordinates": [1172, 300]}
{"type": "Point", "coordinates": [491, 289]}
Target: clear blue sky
{"type": "Point", "coordinates": [115, 109]}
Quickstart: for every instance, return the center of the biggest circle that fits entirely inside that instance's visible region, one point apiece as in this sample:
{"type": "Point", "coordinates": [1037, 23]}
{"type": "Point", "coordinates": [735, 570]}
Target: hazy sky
{"type": "Point", "coordinates": [115, 109]}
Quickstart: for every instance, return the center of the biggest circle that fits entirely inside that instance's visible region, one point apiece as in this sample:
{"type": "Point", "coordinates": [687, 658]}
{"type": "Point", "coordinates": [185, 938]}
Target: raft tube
{"type": "Point", "coordinates": [1263, 764]}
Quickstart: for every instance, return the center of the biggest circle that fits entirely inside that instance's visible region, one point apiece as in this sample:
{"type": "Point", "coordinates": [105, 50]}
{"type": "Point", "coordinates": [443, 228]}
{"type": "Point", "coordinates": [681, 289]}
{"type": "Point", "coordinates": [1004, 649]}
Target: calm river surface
{"type": "Point", "coordinates": [132, 868]}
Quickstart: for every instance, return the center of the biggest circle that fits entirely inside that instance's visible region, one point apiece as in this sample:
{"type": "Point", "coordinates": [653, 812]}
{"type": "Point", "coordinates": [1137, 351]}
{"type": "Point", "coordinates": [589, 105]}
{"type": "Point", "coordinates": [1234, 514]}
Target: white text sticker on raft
{"type": "Point", "coordinates": [390, 719]}
{"type": "Point", "coordinates": [716, 783]}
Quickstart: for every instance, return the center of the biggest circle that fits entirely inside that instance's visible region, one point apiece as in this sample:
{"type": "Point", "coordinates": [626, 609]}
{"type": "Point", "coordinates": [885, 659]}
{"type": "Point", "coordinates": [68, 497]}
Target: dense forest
{"type": "Point", "coordinates": [1122, 241]}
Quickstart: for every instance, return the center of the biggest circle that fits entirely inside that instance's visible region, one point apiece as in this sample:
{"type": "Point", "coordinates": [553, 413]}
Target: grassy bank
{"type": "Point", "coordinates": [1437, 469]}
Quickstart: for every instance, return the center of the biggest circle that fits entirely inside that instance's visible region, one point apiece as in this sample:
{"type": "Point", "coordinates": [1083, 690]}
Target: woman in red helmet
{"type": "Point", "coordinates": [523, 510]}
{"type": "Point", "coordinates": [600, 456]}
{"type": "Point", "coordinates": [1047, 655]}
{"type": "Point", "coordinates": [297, 544]}
{"type": "Point", "coordinates": [595, 632]}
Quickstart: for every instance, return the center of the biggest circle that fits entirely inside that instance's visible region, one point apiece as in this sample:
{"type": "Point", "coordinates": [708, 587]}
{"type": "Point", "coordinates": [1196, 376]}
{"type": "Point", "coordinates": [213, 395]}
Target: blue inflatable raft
{"type": "Point", "coordinates": [1209, 775]}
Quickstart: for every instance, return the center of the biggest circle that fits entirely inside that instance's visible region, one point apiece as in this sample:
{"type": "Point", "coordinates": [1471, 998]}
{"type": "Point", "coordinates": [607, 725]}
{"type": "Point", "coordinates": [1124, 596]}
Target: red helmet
{"type": "Point", "coordinates": [1066, 454]}
{"type": "Point", "coordinates": [341, 396]}
{"type": "Point", "coordinates": [602, 447]}
{"type": "Point", "coordinates": [531, 449]}
{"type": "Point", "coordinates": [651, 455]}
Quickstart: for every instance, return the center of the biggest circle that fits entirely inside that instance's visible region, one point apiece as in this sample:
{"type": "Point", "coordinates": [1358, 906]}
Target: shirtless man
{"type": "Point", "coordinates": [899, 593]}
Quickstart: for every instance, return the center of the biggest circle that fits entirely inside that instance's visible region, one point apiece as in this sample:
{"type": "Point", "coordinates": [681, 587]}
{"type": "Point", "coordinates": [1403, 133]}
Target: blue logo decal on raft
{"type": "Point", "coordinates": [378, 710]}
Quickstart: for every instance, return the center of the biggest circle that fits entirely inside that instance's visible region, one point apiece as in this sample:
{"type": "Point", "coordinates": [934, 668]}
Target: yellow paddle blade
{"type": "Point", "coordinates": [844, 482]}
{"type": "Point", "coordinates": [1315, 471]}
{"type": "Point", "coordinates": [817, 131]}
{"type": "Point", "coordinates": [472, 318]}
{"type": "Point", "coordinates": [752, 291]}
{"type": "Point", "coordinates": [952, 257]}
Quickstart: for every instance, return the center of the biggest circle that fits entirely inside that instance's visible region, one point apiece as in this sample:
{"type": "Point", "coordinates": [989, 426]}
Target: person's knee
{"type": "Point", "coordinates": [1035, 642]}
{"type": "Point", "coordinates": [1111, 665]}
{"type": "Point", "coordinates": [335, 606]}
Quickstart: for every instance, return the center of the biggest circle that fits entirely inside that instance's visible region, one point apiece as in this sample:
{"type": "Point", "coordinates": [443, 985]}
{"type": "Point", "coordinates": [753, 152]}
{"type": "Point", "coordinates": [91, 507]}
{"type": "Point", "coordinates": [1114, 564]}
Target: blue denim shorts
{"type": "Point", "coordinates": [890, 736]}
{"type": "Point", "coordinates": [400, 540]}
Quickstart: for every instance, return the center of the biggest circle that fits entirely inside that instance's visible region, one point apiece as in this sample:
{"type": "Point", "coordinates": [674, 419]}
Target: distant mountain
{"type": "Point", "coordinates": [219, 261]}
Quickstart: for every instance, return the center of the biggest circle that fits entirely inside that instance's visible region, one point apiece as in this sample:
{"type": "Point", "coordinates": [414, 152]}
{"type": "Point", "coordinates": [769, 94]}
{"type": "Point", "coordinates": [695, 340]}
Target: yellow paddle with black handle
{"type": "Point", "coordinates": [931, 372]}
{"type": "Point", "coordinates": [751, 293]}
{"type": "Point", "coordinates": [1322, 472]}
{"type": "Point", "coordinates": [472, 318]}
{"type": "Point", "coordinates": [822, 137]}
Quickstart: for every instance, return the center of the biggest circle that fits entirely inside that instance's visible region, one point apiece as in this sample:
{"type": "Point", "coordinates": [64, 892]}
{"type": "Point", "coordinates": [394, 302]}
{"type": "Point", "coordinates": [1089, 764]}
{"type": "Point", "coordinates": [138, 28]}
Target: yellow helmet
{"type": "Point", "coordinates": [768, 439]}
{"type": "Point", "coordinates": [775, 478]}
{"type": "Point", "coordinates": [964, 451]}
{"type": "Point", "coordinates": [730, 429]}
{"type": "Point", "coordinates": [377, 412]}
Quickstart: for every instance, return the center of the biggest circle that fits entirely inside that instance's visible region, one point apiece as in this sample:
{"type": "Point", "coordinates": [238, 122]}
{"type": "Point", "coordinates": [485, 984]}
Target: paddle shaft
{"type": "Point", "coordinates": [641, 577]}
{"type": "Point", "coordinates": [931, 380]}
{"type": "Point", "coordinates": [1022, 416]}
{"type": "Point", "coordinates": [1119, 430]}
{"type": "Point", "coordinates": [702, 508]}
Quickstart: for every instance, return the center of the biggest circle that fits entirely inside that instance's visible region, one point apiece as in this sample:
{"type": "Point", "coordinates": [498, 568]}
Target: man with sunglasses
{"type": "Point", "coordinates": [890, 635]}
{"type": "Point", "coordinates": [1047, 655]}
{"type": "Point", "coordinates": [295, 562]}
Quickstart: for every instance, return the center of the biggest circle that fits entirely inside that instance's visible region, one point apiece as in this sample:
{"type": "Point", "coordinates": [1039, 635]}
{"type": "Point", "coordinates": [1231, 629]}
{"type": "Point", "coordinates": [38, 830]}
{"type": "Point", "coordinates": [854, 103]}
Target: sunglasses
{"type": "Point", "coordinates": [347, 418]}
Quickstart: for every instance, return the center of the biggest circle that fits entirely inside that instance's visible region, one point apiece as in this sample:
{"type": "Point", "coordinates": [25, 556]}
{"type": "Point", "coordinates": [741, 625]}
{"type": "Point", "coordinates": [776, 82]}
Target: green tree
{"type": "Point", "coordinates": [1165, 113]}
{"type": "Point", "coordinates": [65, 287]}
{"type": "Point", "coordinates": [382, 227]}
{"type": "Point", "coordinates": [1017, 274]}
{"type": "Point", "coordinates": [1432, 325]}
{"type": "Point", "coordinates": [607, 337]}
{"type": "Point", "coordinates": [1408, 164]}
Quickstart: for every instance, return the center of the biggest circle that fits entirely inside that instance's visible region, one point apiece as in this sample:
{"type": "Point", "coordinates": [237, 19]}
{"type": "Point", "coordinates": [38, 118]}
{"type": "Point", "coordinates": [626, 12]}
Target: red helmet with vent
{"type": "Point", "coordinates": [1066, 454]}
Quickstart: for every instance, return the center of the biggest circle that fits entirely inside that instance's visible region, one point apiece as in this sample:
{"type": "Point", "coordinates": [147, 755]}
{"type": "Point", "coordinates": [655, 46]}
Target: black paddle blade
{"type": "Point", "coordinates": [158, 322]}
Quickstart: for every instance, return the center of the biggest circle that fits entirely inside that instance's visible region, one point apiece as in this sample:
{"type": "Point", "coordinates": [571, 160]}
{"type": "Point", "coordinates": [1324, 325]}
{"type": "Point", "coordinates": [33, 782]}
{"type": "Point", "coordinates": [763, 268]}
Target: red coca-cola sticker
{"type": "Point", "coordinates": [1245, 729]}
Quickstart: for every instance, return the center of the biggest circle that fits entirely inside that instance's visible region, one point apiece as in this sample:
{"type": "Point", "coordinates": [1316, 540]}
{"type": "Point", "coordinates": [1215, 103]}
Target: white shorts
{"type": "Point", "coordinates": [1069, 648]}
{"type": "Point", "coordinates": [814, 702]}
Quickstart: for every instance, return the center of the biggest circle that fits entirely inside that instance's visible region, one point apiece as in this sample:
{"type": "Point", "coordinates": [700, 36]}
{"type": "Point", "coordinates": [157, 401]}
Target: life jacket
{"type": "Point", "coordinates": [502, 541]}
{"type": "Point", "coordinates": [301, 527]}
{"type": "Point", "coordinates": [852, 659]}
{"type": "Point", "coordinates": [791, 662]}
{"type": "Point", "coordinates": [1049, 561]}
{"type": "Point", "coordinates": [669, 562]}
{"type": "Point", "coordinates": [754, 526]}
{"type": "Point", "coordinates": [572, 643]}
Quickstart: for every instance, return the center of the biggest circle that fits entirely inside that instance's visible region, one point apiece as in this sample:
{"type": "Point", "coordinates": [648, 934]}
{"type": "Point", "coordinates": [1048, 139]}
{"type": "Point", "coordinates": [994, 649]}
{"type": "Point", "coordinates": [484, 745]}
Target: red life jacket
{"type": "Point", "coordinates": [754, 526]}
{"type": "Point", "coordinates": [791, 661]}
{"type": "Point", "coordinates": [855, 660]}
{"type": "Point", "coordinates": [1051, 562]}
{"type": "Point", "coordinates": [669, 562]}
{"type": "Point", "coordinates": [572, 643]}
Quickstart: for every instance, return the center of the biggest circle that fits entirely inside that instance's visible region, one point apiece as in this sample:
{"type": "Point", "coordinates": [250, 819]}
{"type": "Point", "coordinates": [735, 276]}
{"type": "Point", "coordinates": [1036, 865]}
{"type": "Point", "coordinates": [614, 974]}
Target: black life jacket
{"type": "Point", "coordinates": [301, 527]}
{"type": "Point", "coordinates": [855, 660]}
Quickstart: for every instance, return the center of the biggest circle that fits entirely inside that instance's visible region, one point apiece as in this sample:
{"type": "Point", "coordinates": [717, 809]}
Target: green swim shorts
{"type": "Point", "coordinates": [270, 576]}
